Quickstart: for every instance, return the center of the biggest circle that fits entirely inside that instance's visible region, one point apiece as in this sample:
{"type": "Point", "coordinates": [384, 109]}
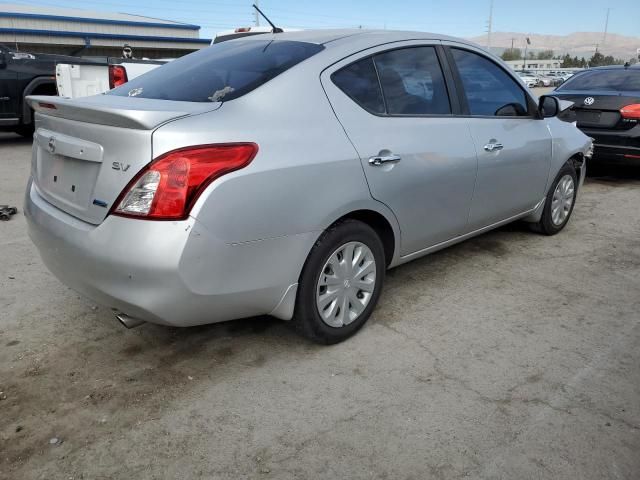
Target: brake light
{"type": "Point", "coordinates": [631, 112]}
{"type": "Point", "coordinates": [117, 76]}
{"type": "Point", "coordinates": [167, 188]}
{"type": "Point", "coordinates": [242, 29]}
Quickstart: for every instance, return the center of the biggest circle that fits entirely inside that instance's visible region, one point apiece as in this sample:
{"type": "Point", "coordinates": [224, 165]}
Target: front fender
{"type": "Point", "coordinates": [568, 142]}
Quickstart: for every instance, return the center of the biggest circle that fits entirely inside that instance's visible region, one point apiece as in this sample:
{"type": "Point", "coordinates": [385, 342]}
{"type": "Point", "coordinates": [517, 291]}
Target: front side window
{"type": "Point", "coordinates": [490, 91]}
{"type": "Point", "coordinates": [412, 82]}
{"type": "Point", "coordinates": [218, 73]}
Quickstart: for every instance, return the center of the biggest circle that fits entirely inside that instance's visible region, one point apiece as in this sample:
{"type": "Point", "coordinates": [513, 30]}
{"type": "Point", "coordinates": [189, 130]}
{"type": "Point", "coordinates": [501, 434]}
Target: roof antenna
{"type": "Point", "coordinates": [274, 29]}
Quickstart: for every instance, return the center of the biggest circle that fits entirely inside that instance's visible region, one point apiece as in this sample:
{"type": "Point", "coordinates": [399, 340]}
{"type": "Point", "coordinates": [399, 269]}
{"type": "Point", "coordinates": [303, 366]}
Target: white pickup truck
{"type": "Point", "coordinates": [81, 80]}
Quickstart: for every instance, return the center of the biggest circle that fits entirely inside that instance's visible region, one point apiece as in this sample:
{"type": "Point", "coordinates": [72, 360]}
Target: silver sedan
{"type": "Point", "coordinates": [283, 174]}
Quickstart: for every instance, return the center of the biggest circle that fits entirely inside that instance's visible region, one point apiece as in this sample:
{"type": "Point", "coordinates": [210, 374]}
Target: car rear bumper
{"type": "Point", "coordinates": [171, 273]}
{"type": "Point", "coordinates": [616, 146]}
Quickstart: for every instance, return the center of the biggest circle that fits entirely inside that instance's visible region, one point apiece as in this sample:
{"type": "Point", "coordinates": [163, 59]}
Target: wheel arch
{"type": "Point", "coordinates": [39, 85]}
{"type": "Point", "coordinates": [579, 162]}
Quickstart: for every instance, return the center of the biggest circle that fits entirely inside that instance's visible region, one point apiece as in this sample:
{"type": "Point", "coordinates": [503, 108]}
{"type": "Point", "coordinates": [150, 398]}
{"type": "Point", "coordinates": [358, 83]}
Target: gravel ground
{"type": "Point", "coordinates": [511, 356]}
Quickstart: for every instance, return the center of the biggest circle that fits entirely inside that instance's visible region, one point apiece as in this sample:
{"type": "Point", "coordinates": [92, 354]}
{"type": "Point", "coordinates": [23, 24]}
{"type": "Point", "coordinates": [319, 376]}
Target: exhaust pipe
{"type": "Point", "coordinates": [129, 322]}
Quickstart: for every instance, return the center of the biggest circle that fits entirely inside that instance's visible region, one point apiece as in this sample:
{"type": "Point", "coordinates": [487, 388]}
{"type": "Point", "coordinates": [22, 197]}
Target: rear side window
{"type": "Point", "coordinates": [223, 71]}
{"type": "Point", "coordinates": [490, 91]}
{"type": "Point", "coordinates": [406, 81]}
{"type": "Point", "coordinates": [360, 82]}
{"type": "Point", "coordinates": [412, 82]}
{"type": "Point", "coordinates": [618, 80]}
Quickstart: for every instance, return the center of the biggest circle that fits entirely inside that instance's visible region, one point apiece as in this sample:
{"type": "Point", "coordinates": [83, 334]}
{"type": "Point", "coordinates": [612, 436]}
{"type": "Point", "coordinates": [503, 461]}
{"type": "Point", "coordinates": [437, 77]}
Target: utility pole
{"type": "Point", "coordinates": [257, 15]}
{"type": "Point", "coordinates": [489, 26]}
{"type": "Point", "coordinates": [606, 27]}
{"type": "Point", "coordinates": [526, 47]}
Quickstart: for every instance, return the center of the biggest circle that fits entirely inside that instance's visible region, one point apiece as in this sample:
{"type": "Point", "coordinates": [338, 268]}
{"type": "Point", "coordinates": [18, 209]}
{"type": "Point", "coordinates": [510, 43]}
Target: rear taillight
{"type": "Point", "coordinates": [631, 112]}
{"type": "Point", "coordinates": [169, 186]}
{"type": "Point", "coordinates": [117, 76]}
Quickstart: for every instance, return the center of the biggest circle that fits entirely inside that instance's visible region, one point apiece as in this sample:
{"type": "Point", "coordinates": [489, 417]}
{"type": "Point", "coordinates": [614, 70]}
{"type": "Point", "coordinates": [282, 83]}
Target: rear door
{"type": "Point", "coordinates": [513, 145]}
{"type": "Point", "coordinates": [418, 158]}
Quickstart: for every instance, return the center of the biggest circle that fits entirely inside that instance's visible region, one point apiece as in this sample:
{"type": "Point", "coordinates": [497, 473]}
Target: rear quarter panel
{"type": "Point", "coordinates": [305, 176]}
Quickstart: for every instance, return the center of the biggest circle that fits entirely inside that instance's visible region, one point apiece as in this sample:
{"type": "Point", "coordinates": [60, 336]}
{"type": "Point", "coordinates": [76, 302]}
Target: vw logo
{"type": "Point", "coordinates": [135, 92]}
{"type": "Point", "coordinates": [51, 146]}
{"type": "Point", "coordinates": [589, 101]}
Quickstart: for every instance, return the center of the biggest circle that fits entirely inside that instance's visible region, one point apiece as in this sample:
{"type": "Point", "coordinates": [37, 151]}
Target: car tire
{"type": "Point", "coordinates": [330, 306]}
{"type": "Point", "coordinates": [560, 201]}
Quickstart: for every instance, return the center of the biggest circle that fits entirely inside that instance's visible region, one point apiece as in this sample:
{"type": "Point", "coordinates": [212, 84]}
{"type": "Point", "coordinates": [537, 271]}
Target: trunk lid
{"type": "Point", "coordinates": [86, 151]}
{"type": "Point", "coordinates": [599, 109]}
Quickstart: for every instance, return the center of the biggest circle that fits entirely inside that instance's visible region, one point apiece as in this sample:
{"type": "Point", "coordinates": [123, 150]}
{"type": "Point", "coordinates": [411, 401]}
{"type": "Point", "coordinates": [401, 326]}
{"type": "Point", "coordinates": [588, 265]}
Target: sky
{"type": "Point", "coordinates": [462, 18]}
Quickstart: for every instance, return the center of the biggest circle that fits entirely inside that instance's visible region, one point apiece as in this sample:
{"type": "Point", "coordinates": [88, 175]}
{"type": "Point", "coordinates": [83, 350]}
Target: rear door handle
{"type": "Point", "coordinates": [378, 160]}
{"type": "Point", "coordinates": [493, 145]}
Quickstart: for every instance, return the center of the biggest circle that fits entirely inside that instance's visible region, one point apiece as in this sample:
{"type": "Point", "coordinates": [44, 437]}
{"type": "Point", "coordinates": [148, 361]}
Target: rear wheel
{"type": "Point", "coordinates": [560, 201]}
{"type": "Point", "coordinates": [340, 283]}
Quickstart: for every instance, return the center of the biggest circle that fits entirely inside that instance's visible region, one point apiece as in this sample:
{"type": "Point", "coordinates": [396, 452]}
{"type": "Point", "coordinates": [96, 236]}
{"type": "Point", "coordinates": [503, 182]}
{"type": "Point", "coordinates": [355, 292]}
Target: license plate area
{"type": "Point", "coordinates": [587, 117]}
{"type": "Point", "coordinates": [67, 180]}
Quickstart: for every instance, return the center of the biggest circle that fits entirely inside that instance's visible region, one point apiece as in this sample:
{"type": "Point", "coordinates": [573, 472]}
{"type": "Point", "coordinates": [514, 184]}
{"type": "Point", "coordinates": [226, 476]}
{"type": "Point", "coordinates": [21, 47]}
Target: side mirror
{"type": "Point", "coordinates": [548, 106]}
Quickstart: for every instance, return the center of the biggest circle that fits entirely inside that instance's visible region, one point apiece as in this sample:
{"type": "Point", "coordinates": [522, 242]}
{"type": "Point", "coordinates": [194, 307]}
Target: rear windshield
{"type": "Point", "coordinates": [619, 80]}
{"type": "Point", "coordinates": [220, 72]}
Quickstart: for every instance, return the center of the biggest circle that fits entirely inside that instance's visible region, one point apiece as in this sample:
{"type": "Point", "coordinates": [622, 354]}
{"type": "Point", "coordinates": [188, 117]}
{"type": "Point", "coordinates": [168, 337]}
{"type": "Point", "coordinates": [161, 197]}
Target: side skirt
{"type": "Point", "coordinates": [420, 253]}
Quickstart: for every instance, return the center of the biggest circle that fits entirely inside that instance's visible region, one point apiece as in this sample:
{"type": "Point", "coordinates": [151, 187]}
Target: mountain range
{"type": "Point", "coordinates": [581, 44]}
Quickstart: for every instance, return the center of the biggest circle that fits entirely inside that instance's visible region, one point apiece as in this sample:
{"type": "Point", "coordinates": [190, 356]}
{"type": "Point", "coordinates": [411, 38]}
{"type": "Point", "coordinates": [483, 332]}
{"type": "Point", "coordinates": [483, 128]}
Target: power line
{"type": "Point", "coordinates": [489, 26]}
{"type": "Point", "coordinates": [606, 27]}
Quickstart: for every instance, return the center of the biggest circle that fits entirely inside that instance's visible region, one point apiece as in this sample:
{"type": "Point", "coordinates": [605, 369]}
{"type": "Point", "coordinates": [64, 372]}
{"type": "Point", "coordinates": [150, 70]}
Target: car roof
{"type": "Point", "coordinates": [328, 36]}
{"type": "Point", "coordinates": [635, 66]}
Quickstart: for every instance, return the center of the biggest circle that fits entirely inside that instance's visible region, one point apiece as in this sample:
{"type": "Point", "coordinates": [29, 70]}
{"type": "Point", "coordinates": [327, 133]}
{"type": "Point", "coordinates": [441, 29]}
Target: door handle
{"type": "Point", "coordinates": [493, 145]}
{"type": "Point", "coordinates": [378, 160]}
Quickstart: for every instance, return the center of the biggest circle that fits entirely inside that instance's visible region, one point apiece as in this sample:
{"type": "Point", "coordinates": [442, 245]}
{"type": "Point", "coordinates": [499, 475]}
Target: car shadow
{"type": "Point", "coordinates": [603, 173]}
{"type": "Point", "coordinates": [10, 139]}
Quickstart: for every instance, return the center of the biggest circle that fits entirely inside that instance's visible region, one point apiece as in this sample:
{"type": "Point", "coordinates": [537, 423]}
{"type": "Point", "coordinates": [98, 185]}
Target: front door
{"type": "Point", "coordinates": [417, 157]}
{"type": "Point", "coordinates": [513, 144]}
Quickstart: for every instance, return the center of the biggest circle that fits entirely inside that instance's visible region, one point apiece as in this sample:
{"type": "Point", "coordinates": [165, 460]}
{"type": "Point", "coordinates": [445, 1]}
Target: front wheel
{"type": "Point", "coordinates": [340, 283]}
{"type": "Point", "coordinates": [560, 201]}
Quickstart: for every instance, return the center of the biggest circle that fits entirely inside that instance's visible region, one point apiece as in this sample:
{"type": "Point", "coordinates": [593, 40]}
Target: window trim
{"type": "Point", "coordinates": [446, 76]}
{"type": "Point", "coordinates": [532, 107]}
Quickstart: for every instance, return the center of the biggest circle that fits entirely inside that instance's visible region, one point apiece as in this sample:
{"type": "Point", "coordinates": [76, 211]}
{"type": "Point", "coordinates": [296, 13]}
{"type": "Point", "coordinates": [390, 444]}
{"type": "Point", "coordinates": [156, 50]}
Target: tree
{"type": "Point", "coordinates": [599, 60]}
{"type": "Point", "coordinates": [544, 55]}
{"type": "Point", "coordinates": [511, 54]}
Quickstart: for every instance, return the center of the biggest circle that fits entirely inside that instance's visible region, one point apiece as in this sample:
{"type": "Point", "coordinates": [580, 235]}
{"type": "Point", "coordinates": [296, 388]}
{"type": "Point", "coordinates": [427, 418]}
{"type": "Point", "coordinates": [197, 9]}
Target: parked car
{"type": "Point", "coordinates": [607, 108]}
{"type": "Point", "coordinates": [23, 74]}
{"type": "Point", "coordinates": [530, 80]}
{"type": "Point", "coordinates": [75, 79]}
{"type": "Point", "coordinates": [544, 80]}
{"type": "Point", "coordinates": [556, 78]}
{"type": "Point", "coordinates": [282, 174]}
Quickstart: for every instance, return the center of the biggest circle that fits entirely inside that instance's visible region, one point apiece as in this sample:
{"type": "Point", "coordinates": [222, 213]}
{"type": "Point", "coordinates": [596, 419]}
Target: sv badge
{"type": "Point", "coordinates": [120, 166]}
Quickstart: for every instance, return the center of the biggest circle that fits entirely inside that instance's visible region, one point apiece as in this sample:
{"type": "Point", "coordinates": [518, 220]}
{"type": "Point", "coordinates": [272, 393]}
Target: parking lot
{"type": "Point", "coordinates": [512, 355]}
